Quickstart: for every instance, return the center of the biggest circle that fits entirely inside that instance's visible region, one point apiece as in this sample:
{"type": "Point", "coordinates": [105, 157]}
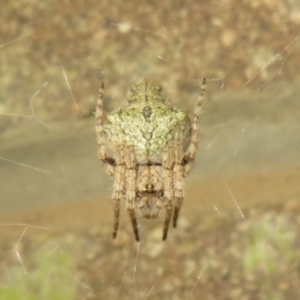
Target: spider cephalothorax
{"type": "Point", "coordinates": [149, 186]}
{"type": "Point", "coordinates": [154, 146]}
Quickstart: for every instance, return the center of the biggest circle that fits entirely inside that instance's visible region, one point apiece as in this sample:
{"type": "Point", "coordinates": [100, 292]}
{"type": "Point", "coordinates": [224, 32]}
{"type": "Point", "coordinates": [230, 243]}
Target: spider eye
{"type": "Point", "coordinates": [149, 187]}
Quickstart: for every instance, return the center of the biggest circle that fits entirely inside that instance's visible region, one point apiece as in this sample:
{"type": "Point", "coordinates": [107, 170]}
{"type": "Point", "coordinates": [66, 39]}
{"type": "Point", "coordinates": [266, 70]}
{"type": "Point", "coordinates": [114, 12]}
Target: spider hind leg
{"type": "Point", "coordinates": [167, 222]}
{"type": "Point", "coordinates": [134, 224]}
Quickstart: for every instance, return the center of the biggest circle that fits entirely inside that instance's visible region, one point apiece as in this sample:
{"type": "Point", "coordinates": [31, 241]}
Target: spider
{"type": "Point", "coordinates": [154, 146]}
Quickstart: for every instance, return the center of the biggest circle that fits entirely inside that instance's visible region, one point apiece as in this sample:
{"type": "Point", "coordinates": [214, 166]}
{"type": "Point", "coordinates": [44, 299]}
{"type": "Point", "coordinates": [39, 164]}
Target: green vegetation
{"type": "Point", "coordinates": [51, 279]}
{"type": "Point", "coordinates": [269, 243]}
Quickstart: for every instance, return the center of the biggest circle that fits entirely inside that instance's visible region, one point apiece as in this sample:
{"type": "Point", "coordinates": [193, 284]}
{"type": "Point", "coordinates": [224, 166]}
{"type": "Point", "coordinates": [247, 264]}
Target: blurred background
{"type": "Point", "coordinates": [238, 232]}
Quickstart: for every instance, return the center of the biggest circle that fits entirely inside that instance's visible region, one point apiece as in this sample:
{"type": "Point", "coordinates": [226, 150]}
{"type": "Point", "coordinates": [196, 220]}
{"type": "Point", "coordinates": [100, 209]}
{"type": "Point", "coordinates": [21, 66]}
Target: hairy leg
{"type": "Point", "coordinates": [107, 161]}
{"type": "Point", "coordinates": [131, 173]}
{"type": "Point", "coordinates": [189, 157]}
{"type": "Point", "coordinates": [168, 163]}
{"type": "Point", "coordinates": [178, 183]}
{"type": "Point", "coordinates": [119, 186]}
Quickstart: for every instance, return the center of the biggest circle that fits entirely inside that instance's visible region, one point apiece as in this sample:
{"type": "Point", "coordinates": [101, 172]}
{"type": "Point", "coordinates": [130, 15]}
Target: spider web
{"type": "Point", "coordinates": [237, 225]}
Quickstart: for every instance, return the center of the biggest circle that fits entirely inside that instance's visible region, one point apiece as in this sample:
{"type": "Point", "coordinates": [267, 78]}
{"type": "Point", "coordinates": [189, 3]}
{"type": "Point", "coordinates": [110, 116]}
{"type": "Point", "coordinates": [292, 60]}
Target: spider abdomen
{"type": "Point", "coordinates": [149, 127]}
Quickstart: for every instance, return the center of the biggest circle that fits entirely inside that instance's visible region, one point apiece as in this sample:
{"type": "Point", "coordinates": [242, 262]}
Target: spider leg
{"type": "Point", "coordinates": [131, 174]}
{"type": "Point", "coordinates": [168, 163]}
{"type": "Point", "coordinates": [189, 157]}
{"type": "Point", "coordinates": [178, 182]}
{"type": "Point", "coordinates": [116, 217]}
{"type": "Point", "coordinates": [119, 186]}
{"type": "Point", "coordinates": [107, 161]}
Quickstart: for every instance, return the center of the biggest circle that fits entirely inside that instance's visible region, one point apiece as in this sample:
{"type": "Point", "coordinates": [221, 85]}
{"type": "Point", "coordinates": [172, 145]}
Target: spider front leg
{"type": "Point", "coordinates": [107, 161]}
{"type": "Point", "coordinates": [119, 186]}
{"type": "Point", "coordinates": [189, 157]}
{"type": "Point", "coordinates": [168, 163]}
{"type": "Point", "coordinates": [131, 174]}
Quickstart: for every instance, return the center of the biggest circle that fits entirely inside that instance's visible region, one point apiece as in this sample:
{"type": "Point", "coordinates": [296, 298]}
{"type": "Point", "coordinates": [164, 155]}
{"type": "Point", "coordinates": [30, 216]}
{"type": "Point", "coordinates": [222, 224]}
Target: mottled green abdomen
{"type": "Point", "coordinates": [148, 123]}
